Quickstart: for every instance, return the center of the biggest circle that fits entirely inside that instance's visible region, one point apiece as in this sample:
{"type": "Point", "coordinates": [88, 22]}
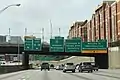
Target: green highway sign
{"type": "Point", "coordinates": [58, 37]}
{"type": "Point", "coordinates": [94, 45]}
{"type": "Point", "coordinates": [37, 44]}
{"type": "Point", "coordinates": [102, 40]}
{"type": "Point", "coordinates": [76, 38]}
{"type": "Point", "coordinates": [57, 45]}
{"type": "Point", "coordinates": [73, 45]}
{"type": "Point", "coordinates": [28, 44]}
{"type": "Point", "coordinates": [32, 44]}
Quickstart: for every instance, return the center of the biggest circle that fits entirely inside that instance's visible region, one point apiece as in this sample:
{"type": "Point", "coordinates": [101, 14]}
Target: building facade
{"type": "Point", "coordinates": [16, 40]}
{"type": "Point", "coordinates": [84, 31]}
{"type": "Point", "coordinates": [2, 39]}
{"type": "Point", "coordinates": [75, 30]}
{"type": "Point", "coordinates": [104, 24]}
{"type": "Point", "coordinates": [118, 19]}
{"type": "Point", "coordinates": [93, 28]}
{"type": "Point", "coordinates": [89, 31]}
{"type": "Point", "coordinates": [97, 27]}
{"type": "Point", "coordinates": [114, 21]}
{"type": "Point", "coordinates": [108, 21]}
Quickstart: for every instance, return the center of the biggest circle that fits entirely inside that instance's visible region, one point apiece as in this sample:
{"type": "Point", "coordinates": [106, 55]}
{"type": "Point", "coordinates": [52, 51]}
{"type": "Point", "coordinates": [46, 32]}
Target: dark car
{"type": "Point", "coordinates": [95, 66]}
{"type": "Point", "coordinates": [51, 66]}
{"type": "Point", "coordinates": [45, 66]}
{"type": "Point", "coordinates": [85, 66]}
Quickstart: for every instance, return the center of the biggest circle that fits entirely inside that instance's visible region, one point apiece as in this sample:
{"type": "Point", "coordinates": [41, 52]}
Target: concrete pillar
{"type": "Point", "coordinates": [102, 61]}
{"type": "Point", "coordinates": [114, 58]}
{"type": "Point", "coordinates": [25, 60]}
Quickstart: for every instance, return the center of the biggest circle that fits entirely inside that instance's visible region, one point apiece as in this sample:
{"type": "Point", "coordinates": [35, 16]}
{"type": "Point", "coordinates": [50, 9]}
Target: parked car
{"type": "Point", "coordinates": [45, 66]}
{"type": "Point", "coordinates": [85, 66]}
{"type": "Point", "coordinates": [69, 67]}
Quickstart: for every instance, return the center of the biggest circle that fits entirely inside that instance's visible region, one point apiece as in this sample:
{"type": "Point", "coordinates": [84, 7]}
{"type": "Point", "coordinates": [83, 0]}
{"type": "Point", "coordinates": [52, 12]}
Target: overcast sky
{"type": "Point", "coordinates": [35, 14]}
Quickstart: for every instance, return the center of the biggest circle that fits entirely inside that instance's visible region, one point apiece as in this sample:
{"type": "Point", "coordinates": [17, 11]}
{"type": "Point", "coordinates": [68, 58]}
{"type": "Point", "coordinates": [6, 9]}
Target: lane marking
{"type": "Point", "coordinates": [106, 75]}
{"type": "Point", "coordinates": [109, 72]}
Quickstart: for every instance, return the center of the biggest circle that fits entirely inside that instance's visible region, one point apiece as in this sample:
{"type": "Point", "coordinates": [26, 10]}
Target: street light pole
{"type": "Point", "coordinates": [59, 32]}
{"type": "Point", "coordinates": [8, 7]}
{"type": "Point", "coordinates": [25, 31]}
{"type": "Point", "coordinates": [3, 11]}
{"type": "Point", "coordinates": [18, 49]}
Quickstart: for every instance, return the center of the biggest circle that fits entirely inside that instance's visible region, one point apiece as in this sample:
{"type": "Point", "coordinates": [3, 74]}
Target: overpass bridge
{"type": "Point", "coordinates": [100, 59]}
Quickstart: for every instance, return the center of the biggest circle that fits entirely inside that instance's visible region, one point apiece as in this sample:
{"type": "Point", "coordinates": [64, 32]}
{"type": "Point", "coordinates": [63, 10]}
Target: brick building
{"type": "Point", "coordinates": [71, 32]}
{"type": "Point", "coordinates": [93, 28]}
{"type": "Point", "coordinates": [77, 26]}
{"type": "Point", "coordinates": [108, 20]}
{"type": "Point", "coordinates": [118, 19]}
{"type": "Point", "coordinates": [114, 21]}
{"type": "Point", "coordinates": [103, 21]}
{"type": "Point", "coordinates": [100, 26]}
{"type": "Point", "coordinates": [75, 30]}
{"type": "Point", "coordinates": [89, 31]}
{"type": "Point", "coordinates": [97, 27]}
{"type": "Point", "coordinates": [84, 31]}
{"type": "Point", "coordinates": [105, 24]}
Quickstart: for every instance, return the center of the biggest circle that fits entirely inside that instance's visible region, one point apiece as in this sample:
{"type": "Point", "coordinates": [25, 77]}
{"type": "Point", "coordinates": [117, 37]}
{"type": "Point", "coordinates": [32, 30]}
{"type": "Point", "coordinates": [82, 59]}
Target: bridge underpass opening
{"type": "Point", "coordinates": [100, 59]}
{"type": "Point", "coordinates": [59, 59]}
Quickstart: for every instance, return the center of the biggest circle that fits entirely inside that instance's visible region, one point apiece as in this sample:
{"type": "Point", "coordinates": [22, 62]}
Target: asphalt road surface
{"type": "Point", "coordinates": [59, 75]}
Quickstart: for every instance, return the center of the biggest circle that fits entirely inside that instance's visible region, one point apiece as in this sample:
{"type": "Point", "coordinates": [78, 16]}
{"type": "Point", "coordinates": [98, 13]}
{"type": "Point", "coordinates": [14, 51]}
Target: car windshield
{"type": "Point", "coordinates": [69, 64]}
{"type": "Point", "coordinates": [87, 63]}
{"type": "Point", "coordinates": [45, 64]}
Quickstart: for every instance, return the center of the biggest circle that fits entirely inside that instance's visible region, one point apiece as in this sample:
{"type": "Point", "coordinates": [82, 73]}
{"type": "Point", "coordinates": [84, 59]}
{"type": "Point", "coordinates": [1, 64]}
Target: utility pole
{"type": "Point", "coordinates": [51, 28]}
{"type": "Point", "coordinates": [43, 34]}
{"type": "Point", "coordinates": [9, 35]}
{"type": "Point", "coordinates": [25, 31]}
{"type": "Point", "coordinates": [59, 32]}
{"type": "Point", "coordinates": [18, 49]}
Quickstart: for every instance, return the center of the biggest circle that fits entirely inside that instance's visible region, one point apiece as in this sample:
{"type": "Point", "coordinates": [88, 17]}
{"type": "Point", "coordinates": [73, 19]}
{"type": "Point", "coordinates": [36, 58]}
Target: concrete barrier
{"type": "Point", "coordinates": [10, 68]}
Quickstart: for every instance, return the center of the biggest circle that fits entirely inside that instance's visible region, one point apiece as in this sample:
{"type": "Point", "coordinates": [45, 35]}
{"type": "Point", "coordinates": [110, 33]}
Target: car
{"type": "Point", "coordinates": [45, 66]}
{"type": "Point", "coordinates": [95, 66]}
{"type": "Point", "coordinates": [51, 66]}
{"type": "Point", "coordinates": [60, 67]}
{"type": "Point", "coordinates": [85, 66]}
{"type": "Point", "coordinates": [77, 66]}
{"type": "Point", "coordinates": [69, 67]}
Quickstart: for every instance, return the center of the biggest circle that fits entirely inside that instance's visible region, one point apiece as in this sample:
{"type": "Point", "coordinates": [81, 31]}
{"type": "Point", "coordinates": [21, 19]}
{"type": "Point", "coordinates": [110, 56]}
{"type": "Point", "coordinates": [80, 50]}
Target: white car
{"type": "Point", "coordinates": [69, 67]}
{"type": "Point", "coordinates": [59, 67]}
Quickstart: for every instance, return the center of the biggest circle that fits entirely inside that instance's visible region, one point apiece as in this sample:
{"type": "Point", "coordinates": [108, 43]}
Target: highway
{"type": "Point", "coordinates": [59, 75]}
